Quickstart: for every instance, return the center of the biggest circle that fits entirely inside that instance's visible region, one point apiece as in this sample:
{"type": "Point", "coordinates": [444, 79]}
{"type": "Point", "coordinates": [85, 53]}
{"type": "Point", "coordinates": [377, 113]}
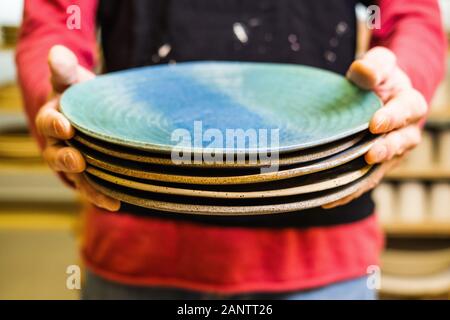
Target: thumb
{"type": "Point", "coordinates": [373, 69]}
{"type": "Point", "coordinates": [64, 69]}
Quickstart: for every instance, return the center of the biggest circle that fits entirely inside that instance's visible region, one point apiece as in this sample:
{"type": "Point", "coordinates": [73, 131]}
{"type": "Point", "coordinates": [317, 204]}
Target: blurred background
{"type": "Point", "coordinates": [39, 217]}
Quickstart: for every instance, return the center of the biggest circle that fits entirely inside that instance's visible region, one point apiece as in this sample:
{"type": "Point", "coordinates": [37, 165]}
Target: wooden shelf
{"type": "Point", "coordinates": [439, 120]}
{"type": "Point", "coordinates": [415, 287]}
{"type": "Point", "coordinates": [404, 173]}
{"type": "Point", "coordinates": [38, 221]}
{"type": "Point", "coordinates": [419, 229]}
{"type": "Point", "coordinates": [10, 98]}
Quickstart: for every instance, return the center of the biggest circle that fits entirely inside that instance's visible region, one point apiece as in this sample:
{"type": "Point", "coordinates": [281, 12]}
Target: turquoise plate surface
{"type": "Point", "coordinates": [141, 108]}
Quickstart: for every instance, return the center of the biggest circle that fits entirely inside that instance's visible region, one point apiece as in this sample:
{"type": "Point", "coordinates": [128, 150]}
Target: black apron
{"type": "Point", "coordinates": [318, 33]}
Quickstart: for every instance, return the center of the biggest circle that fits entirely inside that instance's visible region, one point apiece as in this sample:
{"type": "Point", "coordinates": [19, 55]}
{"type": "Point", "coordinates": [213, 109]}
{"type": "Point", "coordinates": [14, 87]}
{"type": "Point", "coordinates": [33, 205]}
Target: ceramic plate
{"type": "Point", "coordinates": [202, 104]}
{"type": "Point", "coordinates": [311, 183]}
{"type": "Point", "coordinates": [306, 155]}
{"type": "Point", "coordinates": [202, 206]}
{"type": "Point", "coordinates": [217, 176]}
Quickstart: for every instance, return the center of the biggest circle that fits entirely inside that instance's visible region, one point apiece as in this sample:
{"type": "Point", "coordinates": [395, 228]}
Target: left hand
{"type": "Point", "coordinates": [398, 119]}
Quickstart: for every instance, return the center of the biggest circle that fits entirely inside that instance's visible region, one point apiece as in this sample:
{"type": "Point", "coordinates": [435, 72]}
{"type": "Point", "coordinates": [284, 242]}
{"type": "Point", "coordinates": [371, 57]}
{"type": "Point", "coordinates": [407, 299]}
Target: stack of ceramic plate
{"type": "Point", "coordinates": [222, 138]}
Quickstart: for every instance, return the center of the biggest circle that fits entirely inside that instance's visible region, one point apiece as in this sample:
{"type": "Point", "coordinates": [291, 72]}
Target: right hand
{"type": "Point", "coordinates": [55, 128]}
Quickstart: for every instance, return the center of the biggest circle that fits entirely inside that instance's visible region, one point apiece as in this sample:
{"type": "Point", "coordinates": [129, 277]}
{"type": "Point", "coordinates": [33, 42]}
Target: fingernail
{"type": "Point", "coordinates": [111, 205]}
{"type": "Point", "coordinates": [69, 161]}
{"type": "Point", "coordinates": [59, 127]}
{"type": "Point", "coordinates": [382, 124]}
{"type": "Point", "coordinates": [115, 206]}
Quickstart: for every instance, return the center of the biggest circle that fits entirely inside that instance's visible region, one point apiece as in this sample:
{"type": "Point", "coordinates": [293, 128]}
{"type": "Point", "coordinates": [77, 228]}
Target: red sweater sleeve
{"type": "Point", "coordinates": [413, 30]}
{"type": "Point", "coordinates": [44, 25]}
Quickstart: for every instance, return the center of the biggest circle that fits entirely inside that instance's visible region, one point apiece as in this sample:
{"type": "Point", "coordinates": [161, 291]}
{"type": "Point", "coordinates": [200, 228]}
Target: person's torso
{"type": "Point", "coordinates": [320, 33]}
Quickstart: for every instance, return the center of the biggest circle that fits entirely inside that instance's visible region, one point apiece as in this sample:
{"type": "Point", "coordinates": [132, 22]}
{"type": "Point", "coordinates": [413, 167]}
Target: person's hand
{"type": "Point", "coordinates": [398, 119]}
{"type": "Point", "coordinates": [55, 128]}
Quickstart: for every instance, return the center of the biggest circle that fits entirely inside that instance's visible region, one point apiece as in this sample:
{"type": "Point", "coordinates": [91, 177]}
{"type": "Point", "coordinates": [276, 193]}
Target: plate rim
{"type": "Point", "coordinates": [171, 207]}
{"type": "Point", "coordinates": [158, 148]}
{"type": "Point", "coordinates": [340, 180]}
{"type": "Point", "coordinates": [285, 160]}
{"type": "Point", "coordinates": [321, 165]}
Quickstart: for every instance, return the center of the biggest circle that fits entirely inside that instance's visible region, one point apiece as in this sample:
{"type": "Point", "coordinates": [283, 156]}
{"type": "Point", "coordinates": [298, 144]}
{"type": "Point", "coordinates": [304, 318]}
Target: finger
{"type": "Point", "coordinates": [92, 195]}
{"type": "Point", "coordinates": [373, 68]}
{"type": "Point", "coordinates": [51, 123]}
{"type": "Point", "coordinates": [349, 198]}
{"type": "Point", "coordinates": [64, 159]}
{"type": "Point", "coordinates": [84, 74]}
{"type": "Point", "coordinates": [63, 67]}
{"type": "Point", "coordinates": [397, 81]}
{"type": "Point", "coordinates": [408, 106]}
{"type": "Point", "coordinates": [340, 202]}
{"type": "Point", "coordinates": [368, 186]}
{"type": "Point", "coordinates": [395, 143]}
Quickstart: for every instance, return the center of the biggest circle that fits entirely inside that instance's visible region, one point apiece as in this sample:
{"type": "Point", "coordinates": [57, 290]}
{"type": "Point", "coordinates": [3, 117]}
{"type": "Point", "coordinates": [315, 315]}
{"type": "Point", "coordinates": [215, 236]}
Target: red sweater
{"type": "Point", "coordinates": [150, 251]}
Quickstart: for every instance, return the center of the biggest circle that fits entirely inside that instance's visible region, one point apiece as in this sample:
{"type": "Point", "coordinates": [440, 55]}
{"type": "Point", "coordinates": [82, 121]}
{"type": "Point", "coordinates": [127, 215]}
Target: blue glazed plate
{"type": "Point", "coordinates": [202, 105]}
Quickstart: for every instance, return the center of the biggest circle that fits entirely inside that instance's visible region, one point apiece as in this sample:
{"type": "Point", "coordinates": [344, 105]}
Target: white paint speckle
{"type": "Point", "coordinates": [292, 38]}
{"type": "Point", "coordinates": [164, 50]}
{"type": "Point", "coordinates": [330, 56]}
{"type": "Point", "coordinates": [295, 46]}
{"type": "Point", "coordinates": [341, 28]}
{"type": "Point", "coordinates": [240, 32]}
